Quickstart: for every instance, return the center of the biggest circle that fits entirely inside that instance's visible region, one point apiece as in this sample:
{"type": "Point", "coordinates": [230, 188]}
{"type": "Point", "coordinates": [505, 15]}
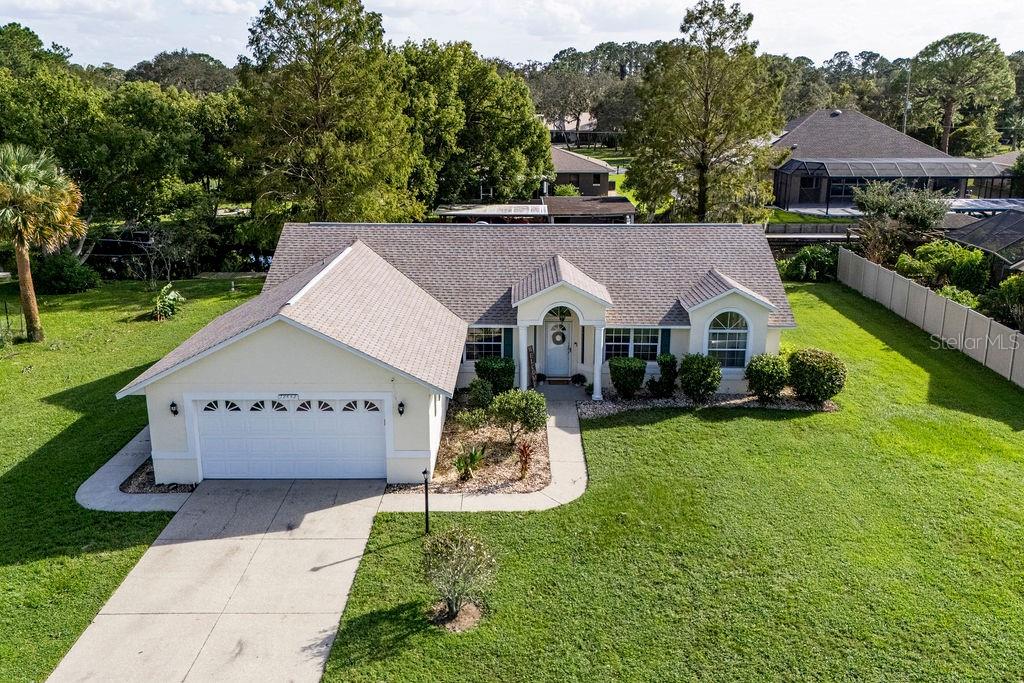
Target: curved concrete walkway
{"type": "Point", "coordinates": [568, 478]}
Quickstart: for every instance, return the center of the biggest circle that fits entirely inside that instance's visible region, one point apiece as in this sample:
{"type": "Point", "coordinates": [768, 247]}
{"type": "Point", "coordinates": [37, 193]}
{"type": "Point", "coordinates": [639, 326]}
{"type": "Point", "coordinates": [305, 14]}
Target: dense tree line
{"type": "Point", "coordinates": [964, 94]}
{"type": "Point", "coordinates": [326, 121]}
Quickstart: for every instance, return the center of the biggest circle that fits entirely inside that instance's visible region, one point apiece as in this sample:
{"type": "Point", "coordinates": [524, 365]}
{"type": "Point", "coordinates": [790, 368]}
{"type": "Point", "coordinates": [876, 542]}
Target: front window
{"type": "Point", "coordinates": [596, 179]}
{"type": "Point", "coordinates": [483, 342]}
{"type": "Point", "coordinates": [727, 340]}
{"type": "Point", "coordinates": [640, 342]}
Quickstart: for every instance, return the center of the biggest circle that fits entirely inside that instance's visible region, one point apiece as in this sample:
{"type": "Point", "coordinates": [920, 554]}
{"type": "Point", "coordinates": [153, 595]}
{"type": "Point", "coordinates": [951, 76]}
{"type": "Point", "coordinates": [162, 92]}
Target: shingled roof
{"type": "Point", "coordinates": [352, 297]}
{"type": "Point", "coordinates": [556, 270]}
{"type": "Point", "coordinates": [571, 162]}
{"type": "Point", "coordinates": [835, 134]}
{"type": "Point", "coordinates": [471, 269]}
{"type": "Point", "coordinates": [715, 284]}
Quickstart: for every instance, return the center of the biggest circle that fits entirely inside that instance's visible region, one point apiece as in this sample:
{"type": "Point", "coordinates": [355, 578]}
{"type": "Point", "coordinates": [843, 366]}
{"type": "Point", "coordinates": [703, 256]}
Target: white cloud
{"type": "Point", "coordinates": [241, 7]}
{"type": "Point", "coordinates": [125, 10]}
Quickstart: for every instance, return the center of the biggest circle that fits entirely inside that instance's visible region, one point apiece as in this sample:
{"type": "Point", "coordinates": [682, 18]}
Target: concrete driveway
{"type": "Point", "coordinates": [247, 582]}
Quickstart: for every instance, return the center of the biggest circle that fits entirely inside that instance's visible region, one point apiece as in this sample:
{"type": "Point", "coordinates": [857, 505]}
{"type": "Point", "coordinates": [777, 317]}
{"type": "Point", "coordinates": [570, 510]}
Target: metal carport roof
{"type": "Point", "coordinates": [951, 167]}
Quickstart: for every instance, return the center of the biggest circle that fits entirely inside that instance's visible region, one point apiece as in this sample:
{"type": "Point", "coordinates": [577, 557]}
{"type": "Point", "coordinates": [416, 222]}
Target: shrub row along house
{"type": "Point", "coordinates": [833, 151]}
{"type": "Point", "coordinates": [344, 365]}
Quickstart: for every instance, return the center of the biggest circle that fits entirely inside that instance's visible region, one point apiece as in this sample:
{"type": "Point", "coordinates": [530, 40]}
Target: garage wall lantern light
{"type": "Point", "coordinates": [401, 407]}
{"type": "Point", "coordinates": [174, 408]}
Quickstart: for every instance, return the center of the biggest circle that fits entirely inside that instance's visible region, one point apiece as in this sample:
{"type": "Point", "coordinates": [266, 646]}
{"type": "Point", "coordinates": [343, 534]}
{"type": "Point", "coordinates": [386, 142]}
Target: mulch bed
{"type": "Point", "coordinates": [469, 616]}
{"type": "Point", "coordinates": [499, 472]}
{"type": "Point", "coordinates": [143, 481]}
{"type": "Point", "coordinates": [644, 401]}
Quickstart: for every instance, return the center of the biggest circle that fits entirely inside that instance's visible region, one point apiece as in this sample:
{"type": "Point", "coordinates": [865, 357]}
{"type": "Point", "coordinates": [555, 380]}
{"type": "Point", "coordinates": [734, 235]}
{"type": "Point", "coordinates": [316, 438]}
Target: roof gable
{"type": "Point", "coordinates": [716, 285]}
{"type": "Point", "coordinates": [557, 271]}
{"type": "Point", "coordinates": [840, 134]}
{"type": "Point", "coordinates": [355, 300]}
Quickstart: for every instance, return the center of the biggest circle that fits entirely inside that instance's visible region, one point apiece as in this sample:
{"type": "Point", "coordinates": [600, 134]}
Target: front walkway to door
{"type": "Point", "coordinates": [246, 583]}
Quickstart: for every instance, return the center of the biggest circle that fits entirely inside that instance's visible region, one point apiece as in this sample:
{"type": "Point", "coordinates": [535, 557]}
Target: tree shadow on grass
{"type": "Point", "coordinates": [955, 381]}
{"type": "Point", "coordinates": [377, 635]}
{"type": "Point", "coordinates": [39, 517]}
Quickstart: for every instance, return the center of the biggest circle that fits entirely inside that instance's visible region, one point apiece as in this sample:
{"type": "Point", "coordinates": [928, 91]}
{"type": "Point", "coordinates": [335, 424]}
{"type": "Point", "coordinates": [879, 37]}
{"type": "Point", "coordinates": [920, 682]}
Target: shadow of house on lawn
{"type": "Point", "coordinates": [955, 381]}
{"type": "Point", "coordinates": [39, 517]}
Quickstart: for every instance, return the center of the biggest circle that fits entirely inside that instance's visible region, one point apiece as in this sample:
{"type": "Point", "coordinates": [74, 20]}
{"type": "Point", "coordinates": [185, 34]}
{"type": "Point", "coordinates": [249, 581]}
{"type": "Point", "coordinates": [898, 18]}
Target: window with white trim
{"type": "Point", "coordinates": [484, 342]}
{"type": "Point", "coordinates": [727, 339]}
{"type": "Point", "coordinates": [639, 342]}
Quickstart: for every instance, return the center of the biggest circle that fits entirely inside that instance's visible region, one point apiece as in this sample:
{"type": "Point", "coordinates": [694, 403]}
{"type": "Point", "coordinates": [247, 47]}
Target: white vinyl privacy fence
{"type": "Point", "coordinates": [950, 324]}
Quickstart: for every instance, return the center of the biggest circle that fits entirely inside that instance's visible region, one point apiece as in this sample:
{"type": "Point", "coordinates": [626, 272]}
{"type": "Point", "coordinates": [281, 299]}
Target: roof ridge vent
{"type": "Point", "coordinates": [836, 112]}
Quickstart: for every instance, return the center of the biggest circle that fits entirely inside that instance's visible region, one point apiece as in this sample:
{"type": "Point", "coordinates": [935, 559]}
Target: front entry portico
{"type": "Point", "coordinates": [561, 312]}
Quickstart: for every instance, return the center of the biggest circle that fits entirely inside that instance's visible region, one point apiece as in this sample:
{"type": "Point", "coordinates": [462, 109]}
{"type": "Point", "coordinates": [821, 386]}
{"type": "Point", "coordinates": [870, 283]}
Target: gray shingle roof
{"type": "Point", "coordinates": [557, 270]}
{"type": "Point", "coordinates": [589, 206]}
{"type": "Point", "coordinates": [715, 284]}
{"type": "Point", "coordinates": [356, 298]}
{"type": "Point", "coordinates": [571, 162]}
{"type": "Point", "coordinates": [471, 268]}
{"type": "Point", "coordinates": [823, 134]}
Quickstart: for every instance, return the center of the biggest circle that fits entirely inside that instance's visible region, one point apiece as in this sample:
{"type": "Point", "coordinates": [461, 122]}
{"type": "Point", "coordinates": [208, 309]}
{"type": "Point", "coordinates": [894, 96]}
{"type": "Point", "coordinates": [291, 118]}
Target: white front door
{"type": "Point", "coordinates": [558, 350]}
{"type": "Point", "coordinates": [302, 438]}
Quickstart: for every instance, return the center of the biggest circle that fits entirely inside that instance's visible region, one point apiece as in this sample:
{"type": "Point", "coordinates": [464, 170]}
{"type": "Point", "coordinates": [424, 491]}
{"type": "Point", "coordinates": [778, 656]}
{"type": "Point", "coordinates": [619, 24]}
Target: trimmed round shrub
{"type": "Point", "coordinates": [519, 412]}
{"type": "Point", "coordinates": [500, 372]}
{"type": "Point", "coordinates": [816, 375]}
{"type": "Point", "coordinates": [699, 377]}
{"type": "Point", "coordinates": [767, 375]}
{"type": "Point", "coordinates": [815, 263]}
{"type": "Point", "coordinates": [664, 385]}
{"type": "Point", "coordinates": [63, 274]}
{"type": "Point", "coordinates": [480, 394]}
{"type": "Point", "coordinates": [627, 375]}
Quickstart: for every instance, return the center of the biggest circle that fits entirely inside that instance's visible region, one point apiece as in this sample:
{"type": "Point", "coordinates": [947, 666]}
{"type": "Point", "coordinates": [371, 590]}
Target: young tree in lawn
{"type": "Point", "coordinates": [328, 127]}
{"type": "Point", "coordinates": [38, 208]}
{"type": "Point", "coordinates": [962, 69]}
{"type": "Point", "coordinates": [707, 107]}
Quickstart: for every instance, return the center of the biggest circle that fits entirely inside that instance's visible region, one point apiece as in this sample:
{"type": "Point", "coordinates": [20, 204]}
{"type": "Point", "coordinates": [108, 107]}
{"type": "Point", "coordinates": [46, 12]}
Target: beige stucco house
{"type": "Point", "coordinates": [343, 367]}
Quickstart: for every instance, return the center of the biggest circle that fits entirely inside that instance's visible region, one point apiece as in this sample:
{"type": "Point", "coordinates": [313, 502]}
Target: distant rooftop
{"type": "Point", "coordinates": [572, 162]}
{"type": "Point", "coordinates": [849, 134]}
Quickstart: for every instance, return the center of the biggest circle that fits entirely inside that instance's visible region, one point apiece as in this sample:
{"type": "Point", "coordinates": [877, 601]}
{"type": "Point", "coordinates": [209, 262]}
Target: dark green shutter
{"type": "Point", "coordinates": [506, 346]}
{"type": "Point", "coordinates": [666, 340]}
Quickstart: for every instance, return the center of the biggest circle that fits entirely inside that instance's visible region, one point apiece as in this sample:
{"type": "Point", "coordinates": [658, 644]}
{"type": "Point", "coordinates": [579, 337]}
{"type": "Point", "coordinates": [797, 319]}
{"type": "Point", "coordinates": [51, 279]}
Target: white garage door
{"type": "Point", "coordinates": [276, 438]}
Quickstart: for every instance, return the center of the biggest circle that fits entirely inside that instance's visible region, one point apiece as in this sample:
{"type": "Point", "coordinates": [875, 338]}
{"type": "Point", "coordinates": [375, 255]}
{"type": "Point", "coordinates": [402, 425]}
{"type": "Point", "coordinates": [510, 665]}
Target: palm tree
{"type": "Point", "coordinates": [38, 207]}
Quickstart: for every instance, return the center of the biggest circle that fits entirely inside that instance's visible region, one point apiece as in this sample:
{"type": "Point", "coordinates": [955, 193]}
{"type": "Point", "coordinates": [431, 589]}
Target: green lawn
{"type": "Point", "coordinates": [780, 216]}
{"type": "Point", "coordinates": [611, 155]}
{"type": "Point", "coordinates": [59, 422]}
{"type": "Point", "coordinates": [882, 542]}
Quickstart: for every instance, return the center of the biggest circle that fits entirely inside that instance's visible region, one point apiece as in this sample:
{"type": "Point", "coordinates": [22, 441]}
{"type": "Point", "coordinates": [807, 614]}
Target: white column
{"type": "Point", "coordinates": [524, 364]}
{"type": "Point", "coordinates": [598, 361]}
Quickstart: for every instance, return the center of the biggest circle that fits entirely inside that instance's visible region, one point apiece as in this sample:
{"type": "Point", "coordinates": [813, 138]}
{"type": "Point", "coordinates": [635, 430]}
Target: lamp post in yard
{"type": "Point", "coordinates": [426, 502]}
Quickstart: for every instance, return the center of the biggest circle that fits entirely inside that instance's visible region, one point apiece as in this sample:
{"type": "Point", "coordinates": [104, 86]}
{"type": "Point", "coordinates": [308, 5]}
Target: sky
{"type": "Point", "coordinates": [125, 32]}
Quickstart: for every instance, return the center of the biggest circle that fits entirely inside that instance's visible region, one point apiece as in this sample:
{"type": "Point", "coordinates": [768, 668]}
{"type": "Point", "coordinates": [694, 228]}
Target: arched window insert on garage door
{"type": "Point", "coordinates": [232, 407]}
{"type": "Point", "coordinates": [727, 339]}
{"type": "Point", "coordinates": [349, 407]}
{"type": "Point", "coordinates": [324, 407]}
{"type": "Point", "coordinates": [371, 407]}
{"type": "Point", "coordinates": [211, 406]}
{"type": "Point", "coordinates": [304, 407]}
{"type": "Point", "coordinates": [257, 407]}
{"type": "Point", "coordinates": [278, 407]}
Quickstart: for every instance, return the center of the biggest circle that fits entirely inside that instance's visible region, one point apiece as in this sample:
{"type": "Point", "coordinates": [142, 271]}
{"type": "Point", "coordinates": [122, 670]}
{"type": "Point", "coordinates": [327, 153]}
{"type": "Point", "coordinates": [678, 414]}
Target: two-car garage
{"type": "Point", "coordinates": [291, 436]}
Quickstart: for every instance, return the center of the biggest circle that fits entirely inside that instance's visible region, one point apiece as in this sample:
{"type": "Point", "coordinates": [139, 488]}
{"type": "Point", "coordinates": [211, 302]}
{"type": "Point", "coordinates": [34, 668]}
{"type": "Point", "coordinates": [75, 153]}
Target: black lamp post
{"type": "Point", "coordinates": [426, 502]}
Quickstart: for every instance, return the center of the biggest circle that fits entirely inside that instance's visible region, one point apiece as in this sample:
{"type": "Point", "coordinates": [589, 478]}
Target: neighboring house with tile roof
{"type": "Point", "coordinates": [831, 152]}
{"type": "Point", "coordinates": [587, 174]}
{"type": "Point", "coordinates": [343, 366]}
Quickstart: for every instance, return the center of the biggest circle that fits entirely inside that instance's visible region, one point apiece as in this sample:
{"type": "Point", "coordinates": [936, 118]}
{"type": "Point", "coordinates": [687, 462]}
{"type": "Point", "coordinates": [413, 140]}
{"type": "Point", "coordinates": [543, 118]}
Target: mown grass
{"type": "Point", "coordinates": [59, 422]}
{"type": "Point", "coordinates": [881, 542]}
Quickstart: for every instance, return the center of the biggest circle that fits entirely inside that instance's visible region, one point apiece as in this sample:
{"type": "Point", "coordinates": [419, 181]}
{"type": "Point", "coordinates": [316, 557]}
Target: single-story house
{"type": "Point", "coordinates": [344, 365]}
{"type": "Point", "coordinates": [831, 152]}
{"type": "Point", "coordinates": [587, 174]}
{"type": "Point", "coordinates": [589, 210]}
{"type": "Point", "coordinates": [1001, 235]}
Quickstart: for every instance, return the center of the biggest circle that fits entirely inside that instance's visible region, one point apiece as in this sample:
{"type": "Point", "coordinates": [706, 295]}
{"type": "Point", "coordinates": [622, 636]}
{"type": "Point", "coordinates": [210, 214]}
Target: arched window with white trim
{"type": "Point", "coordinates": [727, 339]}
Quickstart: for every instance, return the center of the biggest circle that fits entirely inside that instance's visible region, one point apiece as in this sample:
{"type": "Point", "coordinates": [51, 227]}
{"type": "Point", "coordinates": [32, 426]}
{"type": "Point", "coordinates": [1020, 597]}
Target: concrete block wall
{"type": "Point", "coordinates": [992, 344]}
